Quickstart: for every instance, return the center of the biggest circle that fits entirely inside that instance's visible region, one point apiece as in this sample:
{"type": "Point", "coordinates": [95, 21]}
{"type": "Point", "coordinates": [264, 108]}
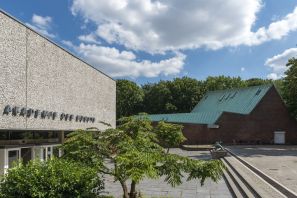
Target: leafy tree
{"type": "Point", "coordinates": [185, 93]}
{"type": "Point", "coordinates": [54, 178]}
{"type": "Point", "coordinates": [177, 96]}
{"type": "Point", "coordinates": [279, 86]}
{"type": "Point", "coordinates": [290, 86]}
{"type": "Point", "coordinates": [256, 81]}
{"type": "Point", "coordinates": [169, 135]}
{"type": "Point", "coordinates": [129, 98]}
{"type": "Point", "coordinates": [222, 82]}
{"type": "Point", "coordinates": [131, 153]}
{"type": "Point", "coordinates": [157, 98]}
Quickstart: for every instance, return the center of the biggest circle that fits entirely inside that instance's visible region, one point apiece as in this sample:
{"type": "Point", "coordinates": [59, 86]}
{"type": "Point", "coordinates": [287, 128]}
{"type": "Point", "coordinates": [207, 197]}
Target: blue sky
{"type": "Point", "coordinates": [149, 40]}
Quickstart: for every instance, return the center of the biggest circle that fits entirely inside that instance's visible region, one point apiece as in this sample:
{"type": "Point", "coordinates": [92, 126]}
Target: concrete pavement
{"type": "Point", "coordinates": [190, 189]}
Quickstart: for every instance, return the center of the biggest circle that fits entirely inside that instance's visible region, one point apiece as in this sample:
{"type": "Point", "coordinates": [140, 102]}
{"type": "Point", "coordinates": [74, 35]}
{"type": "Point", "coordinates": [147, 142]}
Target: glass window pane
{"type": "Point", "coordinates": [26, 154]}
{"type": "Point", "coordinates": [56, 151]}
{"type": "Point", "coordinates": [3, 135]}
{"type": "Point", "coordinates": [49, 152]}
{"type": "Point", "coordinates": [13, 156]}
{"type": "Point", "coordinates": [19, 135]}
{"type": "Point", "coordinates": [44, 154]}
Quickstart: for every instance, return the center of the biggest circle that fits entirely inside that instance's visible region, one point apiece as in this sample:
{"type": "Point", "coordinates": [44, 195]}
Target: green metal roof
{"type": "Point", "coordinates": [214, 103]}
{"type": "Point", "coordinates": [241, 101]}
{"type": "Point", "coordinates": [196, 118]}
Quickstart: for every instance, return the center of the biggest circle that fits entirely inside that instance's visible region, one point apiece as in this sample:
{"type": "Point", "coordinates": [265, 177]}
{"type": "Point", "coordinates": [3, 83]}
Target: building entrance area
{"type": "Point", "coordinates": [28, 145]}
{"type": "Point", "coordinates": [10, 156]}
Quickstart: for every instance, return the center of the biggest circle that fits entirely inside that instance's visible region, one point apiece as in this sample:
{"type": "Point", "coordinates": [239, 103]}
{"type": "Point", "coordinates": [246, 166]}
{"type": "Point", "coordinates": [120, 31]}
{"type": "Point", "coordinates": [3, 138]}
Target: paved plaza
{"type": "Point", "coordinates": [279, 162]}
{"type": "Point", "coordinates": [191, 189]}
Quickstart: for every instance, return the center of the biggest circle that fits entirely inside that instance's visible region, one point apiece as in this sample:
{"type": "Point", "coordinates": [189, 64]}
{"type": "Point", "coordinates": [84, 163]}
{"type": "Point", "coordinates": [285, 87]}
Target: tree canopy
{"type": "Point", "coordinates": [129, 98]}
{"type": "Point", "coordinates": [131, 153]}
{"type": "Point", "coordinates": [169, 135]}
{"type": "Point", "coordinates": [177, 96]}
{"type": "Point", "coordinates": [289, 86]}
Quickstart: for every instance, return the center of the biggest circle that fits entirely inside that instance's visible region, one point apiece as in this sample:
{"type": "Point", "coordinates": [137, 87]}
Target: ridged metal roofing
{"type": "Point", "coordinates": [241, 101]}
{"type": "Point", "coordinates": [214, 103]}
{"type": "Point", "coordinates": [197, 118]}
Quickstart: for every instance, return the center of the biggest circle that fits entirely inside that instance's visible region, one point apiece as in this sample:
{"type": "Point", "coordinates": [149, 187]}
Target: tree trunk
{"type": "Point", "coordinates": [133, 193]}
{"type": "Point", "coordinates": [168, 150]}
{"type": "Point", "coordinates": [125, 189]}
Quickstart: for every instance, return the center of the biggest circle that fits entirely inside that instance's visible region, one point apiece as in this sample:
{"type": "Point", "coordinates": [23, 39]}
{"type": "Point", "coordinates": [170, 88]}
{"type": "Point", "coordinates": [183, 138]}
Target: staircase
{"type": "Point", "coordinates": [246, 181]}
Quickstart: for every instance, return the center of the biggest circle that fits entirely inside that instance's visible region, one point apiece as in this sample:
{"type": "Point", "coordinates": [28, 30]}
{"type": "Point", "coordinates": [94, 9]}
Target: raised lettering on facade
{"type": "Point", "coordinates": [36, 113]}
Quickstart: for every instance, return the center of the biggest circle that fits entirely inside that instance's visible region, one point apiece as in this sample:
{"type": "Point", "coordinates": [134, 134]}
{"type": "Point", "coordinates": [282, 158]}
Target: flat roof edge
{"type": "Point", "coordinates": [53, 42]}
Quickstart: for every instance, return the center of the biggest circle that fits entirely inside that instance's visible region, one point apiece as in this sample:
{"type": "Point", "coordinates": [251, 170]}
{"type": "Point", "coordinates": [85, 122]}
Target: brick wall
{"type": "Point", "coordinates": [256, 128]}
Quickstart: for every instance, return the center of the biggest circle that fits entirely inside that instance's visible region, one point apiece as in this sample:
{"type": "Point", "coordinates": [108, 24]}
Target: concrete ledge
{"type": "Point", "coordinates": [197, 147]}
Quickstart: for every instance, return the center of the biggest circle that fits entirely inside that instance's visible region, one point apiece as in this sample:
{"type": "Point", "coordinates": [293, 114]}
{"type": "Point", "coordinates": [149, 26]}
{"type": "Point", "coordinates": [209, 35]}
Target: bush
{"type": "Point", "coordinates": [54, 178]}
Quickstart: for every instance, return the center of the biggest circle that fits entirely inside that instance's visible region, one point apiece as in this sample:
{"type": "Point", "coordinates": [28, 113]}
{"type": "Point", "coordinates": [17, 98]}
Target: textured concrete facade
{"type": "Point", "coordinates": [36, 73]}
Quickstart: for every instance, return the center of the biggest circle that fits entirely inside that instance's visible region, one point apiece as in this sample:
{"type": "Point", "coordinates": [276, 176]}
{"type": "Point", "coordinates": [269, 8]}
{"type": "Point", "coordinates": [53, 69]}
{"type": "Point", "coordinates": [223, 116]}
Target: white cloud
{"type": "Point", "coordinates": [68, 44]}
{"type": "Point", "coordinates": [124, 63]}
{"type": "Point", "coordinates": [89, 38]}
{"type": "Point", "coordinates": [278, 63]}
{"type": "Point", "coordinates": [41, 22]}
{"type": "Point", "coordinates": [157, 26]}
{"type": "Point", "coordinates": [42, 25]}
{"type": "Point", "coordinates": [273, 76]}
{"type": "Point", "coordinates": [275, 30]}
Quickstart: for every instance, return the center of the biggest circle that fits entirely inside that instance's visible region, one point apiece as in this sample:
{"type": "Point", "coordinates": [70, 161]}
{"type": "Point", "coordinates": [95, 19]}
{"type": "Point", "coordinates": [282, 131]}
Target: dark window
{"type": "Point", "coordinates": [4, 135]}
{"type": "Point", "coordinates": [45, 135]}
{"type": "Point", "coordinates": [258, 92]}
{"type": "Point", "coordinates": [222, 98]}
{"type": "Point", "coordinates": [26, 154]}
{"type": "Point", "coordinates": [13, 157]}
{"type": "Point", "coordinates": [20, 135]}
{"type": "Point", "coordinates": [56, 151]}
{"type": "Point", "coordinates": [234, 95]}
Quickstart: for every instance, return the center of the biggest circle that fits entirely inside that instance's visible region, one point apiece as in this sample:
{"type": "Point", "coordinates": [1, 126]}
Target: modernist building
{"type": "Point", "coordinates": [254, 115]}
{"type": "Point", "coordinates": [45, 92]}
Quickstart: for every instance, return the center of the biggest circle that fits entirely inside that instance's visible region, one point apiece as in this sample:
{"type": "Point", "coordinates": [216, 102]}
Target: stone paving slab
{"type": "Point", "coordinates": [190, 189]}
{"type": "Point", "coordinates": [277, 161]}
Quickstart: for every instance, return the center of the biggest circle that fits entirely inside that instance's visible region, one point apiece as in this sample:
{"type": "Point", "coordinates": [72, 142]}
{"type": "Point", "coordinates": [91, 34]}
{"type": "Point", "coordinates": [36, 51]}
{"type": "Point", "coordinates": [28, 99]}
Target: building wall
{"type": "Point", "coordinates": [2, 161]}
{"type": "Point", "coordinates": [36, 73]}
{"type": "Point", "coordinates": [256, 128]}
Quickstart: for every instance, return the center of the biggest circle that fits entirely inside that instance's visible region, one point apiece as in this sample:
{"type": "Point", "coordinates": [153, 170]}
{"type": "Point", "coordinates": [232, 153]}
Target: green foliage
{"type": "Point", "coordinates": [129, 98]}
{"type": "Point", "coordinates": [186, 93]}
{"type": "Point", "coordinates": [134, 154]}
{"type": "Point", "coordinates": [54, 178]}
{"type": "Point", "coordinates": [257, 81]}
{"type": "Point", "coordinates": [290, 86]}
{"type": "Point", "coordinates": [223, 82]}
{"type": "Point", "coordinates": [81, 150]}
{"type": "Point", "coordinates": [169, 135]}
{"type": "Point", "coordinates": [177, 96]}
{"type": "Point", "coordinates": [158, 97]}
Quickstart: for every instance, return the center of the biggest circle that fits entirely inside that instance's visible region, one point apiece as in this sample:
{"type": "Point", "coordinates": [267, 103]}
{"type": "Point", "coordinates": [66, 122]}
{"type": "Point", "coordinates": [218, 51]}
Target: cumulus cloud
{"type": "Point", "coordinates": [89, 38]}
{"type": "Point", "coordinates": [275, 30]}
{"type": "Point", "coordinates": [42, 25]}
{"type": "Point", "coordinates": [124, 63]}
{"type": "Point", "coordinates": [278, 63]}
{"type": "Point", "coordinates": [159, 26]}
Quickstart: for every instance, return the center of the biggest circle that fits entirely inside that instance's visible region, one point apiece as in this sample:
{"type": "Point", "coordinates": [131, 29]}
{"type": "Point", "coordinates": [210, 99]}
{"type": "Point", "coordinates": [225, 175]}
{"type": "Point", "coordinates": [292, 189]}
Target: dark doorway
{"type": "Point", "coordinates": [26, 155]}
